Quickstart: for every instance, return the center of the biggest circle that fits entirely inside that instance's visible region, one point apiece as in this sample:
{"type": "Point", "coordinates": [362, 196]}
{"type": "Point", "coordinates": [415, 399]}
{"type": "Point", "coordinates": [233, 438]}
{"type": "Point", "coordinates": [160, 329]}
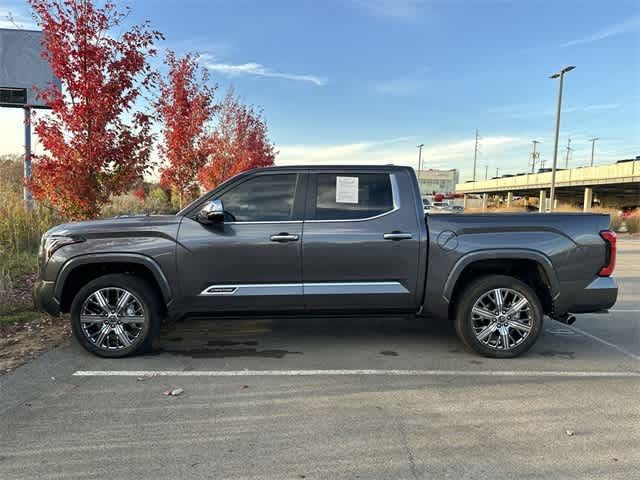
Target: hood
{"type": "Point", "coordinates": [115, 225]}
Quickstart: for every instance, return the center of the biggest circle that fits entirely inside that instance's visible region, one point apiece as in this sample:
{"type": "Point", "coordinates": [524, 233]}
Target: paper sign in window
{"type": "Point", "coordinates": [346, 189]}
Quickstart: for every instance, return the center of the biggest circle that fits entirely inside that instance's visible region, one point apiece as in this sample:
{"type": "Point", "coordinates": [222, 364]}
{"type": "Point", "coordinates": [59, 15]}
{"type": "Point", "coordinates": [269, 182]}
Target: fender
{"type": "Point", "coordinates": [90, 258]}
{"type": "Point", "coordinates": [501, 254]}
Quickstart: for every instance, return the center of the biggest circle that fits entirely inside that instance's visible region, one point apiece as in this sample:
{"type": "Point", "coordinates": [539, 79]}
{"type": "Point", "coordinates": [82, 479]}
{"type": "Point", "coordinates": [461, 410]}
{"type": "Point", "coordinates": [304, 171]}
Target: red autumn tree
{"type": "Point", "coordinates": [239, 142]}
{"type": "Point", "coordinates": [185, 107]}
{"type": "Point", "coordinates": [96, 144]}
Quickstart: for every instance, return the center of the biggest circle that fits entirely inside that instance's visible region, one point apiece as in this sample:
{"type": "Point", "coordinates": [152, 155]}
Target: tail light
{"type": "Point", "coordinates": [610, 240]}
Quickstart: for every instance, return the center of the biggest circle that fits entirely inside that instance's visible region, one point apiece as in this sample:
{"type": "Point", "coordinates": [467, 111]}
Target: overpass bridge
{"type": "Point", "coordinates": [616, 184]}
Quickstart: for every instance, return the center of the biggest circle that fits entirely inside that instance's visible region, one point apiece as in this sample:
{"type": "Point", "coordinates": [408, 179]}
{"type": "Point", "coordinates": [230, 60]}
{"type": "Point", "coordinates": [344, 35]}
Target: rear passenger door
{"type": "Point", "coordinates": [360, 242]}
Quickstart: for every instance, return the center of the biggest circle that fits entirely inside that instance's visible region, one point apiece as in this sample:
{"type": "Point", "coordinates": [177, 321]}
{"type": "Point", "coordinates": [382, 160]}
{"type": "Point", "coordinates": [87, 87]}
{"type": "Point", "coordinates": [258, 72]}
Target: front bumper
{"type": "Point", "coordinates": [44, 298]}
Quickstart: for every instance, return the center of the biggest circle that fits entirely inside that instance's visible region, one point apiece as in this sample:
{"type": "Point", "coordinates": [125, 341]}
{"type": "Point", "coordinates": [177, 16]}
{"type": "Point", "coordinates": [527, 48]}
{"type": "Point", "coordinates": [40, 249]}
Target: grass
{"type": "Point", "coordinates": [19, 317]}
{"type": "Point", "coordinates": [21, 230]}
{"type": "Point", "coordinates": [633, 222]}
{"type": "Point", "coordinates": [631, 225]}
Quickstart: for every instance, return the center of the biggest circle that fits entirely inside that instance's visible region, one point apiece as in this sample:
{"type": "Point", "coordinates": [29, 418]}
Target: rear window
{"type": "Point", "coordinates": [346, 196]}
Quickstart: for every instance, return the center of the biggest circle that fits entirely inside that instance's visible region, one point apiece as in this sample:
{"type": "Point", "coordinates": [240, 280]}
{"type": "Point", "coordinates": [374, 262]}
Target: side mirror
{"type": "Point", "coordinates": [211, 212]}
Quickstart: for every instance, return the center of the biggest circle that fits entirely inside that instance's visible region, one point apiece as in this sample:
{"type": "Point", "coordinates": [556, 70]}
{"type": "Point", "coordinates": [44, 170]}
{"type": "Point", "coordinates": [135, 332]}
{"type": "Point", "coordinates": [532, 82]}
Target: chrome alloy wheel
{"type": "Point", "coordinates": [112, 318]}
{"type": "Point", "coordinates": [502, 318]}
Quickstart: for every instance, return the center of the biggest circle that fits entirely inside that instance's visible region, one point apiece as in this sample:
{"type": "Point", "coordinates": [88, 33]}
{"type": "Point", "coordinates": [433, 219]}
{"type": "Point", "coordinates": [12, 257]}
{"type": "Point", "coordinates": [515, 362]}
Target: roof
{"type": "Point", "coordinates": [333, 168]}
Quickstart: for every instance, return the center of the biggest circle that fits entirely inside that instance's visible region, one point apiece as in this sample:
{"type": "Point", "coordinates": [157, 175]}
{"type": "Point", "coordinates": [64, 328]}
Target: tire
{"type": "Point", "coordinates": [488, 335]}
{"type": "Point", "coordinates": [107, 329]}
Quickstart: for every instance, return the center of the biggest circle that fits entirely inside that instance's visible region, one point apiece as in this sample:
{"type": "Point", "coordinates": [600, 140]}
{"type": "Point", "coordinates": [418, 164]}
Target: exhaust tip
{"type": "Point", "coordinates": [567, 318]}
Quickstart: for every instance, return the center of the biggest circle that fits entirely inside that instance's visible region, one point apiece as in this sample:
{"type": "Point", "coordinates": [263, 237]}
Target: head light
{"type": "Point", "coordinates": [55, 242]}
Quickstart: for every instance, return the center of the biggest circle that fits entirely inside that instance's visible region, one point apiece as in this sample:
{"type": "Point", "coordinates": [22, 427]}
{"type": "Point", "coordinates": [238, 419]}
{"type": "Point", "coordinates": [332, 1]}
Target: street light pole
{"type": "Point", "coordinates": [560, 75]}
{"type": "Point", "coordinates": [593, 146]}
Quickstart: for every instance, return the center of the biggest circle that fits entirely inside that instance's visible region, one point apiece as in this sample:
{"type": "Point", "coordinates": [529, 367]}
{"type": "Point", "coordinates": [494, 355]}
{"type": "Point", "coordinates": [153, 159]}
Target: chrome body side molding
{"type": "Point", "coordinates": [323, 288]}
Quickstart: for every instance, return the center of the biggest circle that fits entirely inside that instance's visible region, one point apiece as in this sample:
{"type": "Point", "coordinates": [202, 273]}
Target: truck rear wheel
{"type": "Point", "coordinates": [499, 316]}
{"type": "Point", "coordinates": [115, 316]}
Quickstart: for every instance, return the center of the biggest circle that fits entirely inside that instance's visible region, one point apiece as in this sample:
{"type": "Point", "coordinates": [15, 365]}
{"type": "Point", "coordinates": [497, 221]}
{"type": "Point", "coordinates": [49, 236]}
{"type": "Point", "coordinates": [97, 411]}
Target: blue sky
{"type": "Point", "coordinates": [364, 81]}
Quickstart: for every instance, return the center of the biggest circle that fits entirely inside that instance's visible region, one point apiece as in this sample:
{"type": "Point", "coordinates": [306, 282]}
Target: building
{"type": "Point", "coordinates": [438, 181]}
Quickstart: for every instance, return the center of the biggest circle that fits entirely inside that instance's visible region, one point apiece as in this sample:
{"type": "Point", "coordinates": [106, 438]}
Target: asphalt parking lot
{"type": "Point", "coordinates": [382, 398]}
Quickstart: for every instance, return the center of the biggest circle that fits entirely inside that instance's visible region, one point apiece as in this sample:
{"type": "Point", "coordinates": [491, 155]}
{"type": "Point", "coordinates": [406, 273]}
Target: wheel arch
{"type": "Point", "coordinates": [532, 267]}
{"type": "Point", "coordinates": [79, 270]}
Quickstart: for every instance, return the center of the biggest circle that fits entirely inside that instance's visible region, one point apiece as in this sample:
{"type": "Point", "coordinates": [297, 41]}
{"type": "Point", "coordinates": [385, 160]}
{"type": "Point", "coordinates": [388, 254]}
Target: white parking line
{"type": "Point", "coordinates": [625, 311]}
{"type": "Point", "coordinates": [605, 342]}
{"type": "Point", "coordinates": [328, 373]}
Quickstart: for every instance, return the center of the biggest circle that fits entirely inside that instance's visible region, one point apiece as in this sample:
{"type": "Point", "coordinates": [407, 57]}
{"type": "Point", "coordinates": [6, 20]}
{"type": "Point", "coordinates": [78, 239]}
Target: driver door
{"type": "Point", "coordinates": [250, 262]}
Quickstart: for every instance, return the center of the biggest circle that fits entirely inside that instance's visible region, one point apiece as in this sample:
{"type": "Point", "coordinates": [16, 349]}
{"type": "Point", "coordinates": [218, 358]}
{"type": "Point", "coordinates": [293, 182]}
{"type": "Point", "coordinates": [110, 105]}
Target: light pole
{"type": "Point", "coordinates": [560, 75]}
{"type": "Point", "coordinates": [593, 146]}
{"type": "Point", "coordinates": [420, 158]}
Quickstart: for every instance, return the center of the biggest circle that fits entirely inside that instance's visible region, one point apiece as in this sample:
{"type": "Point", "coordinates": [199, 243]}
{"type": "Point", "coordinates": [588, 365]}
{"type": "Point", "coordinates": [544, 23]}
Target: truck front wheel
{"type": "Point", "coordinates": [115, 315]}
{"type": "Point", "coordinates": [499, 316]}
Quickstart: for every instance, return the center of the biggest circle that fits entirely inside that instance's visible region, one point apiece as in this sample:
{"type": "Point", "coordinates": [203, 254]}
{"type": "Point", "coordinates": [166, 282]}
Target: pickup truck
{"type": "Point", "coordinates": [347, 240]}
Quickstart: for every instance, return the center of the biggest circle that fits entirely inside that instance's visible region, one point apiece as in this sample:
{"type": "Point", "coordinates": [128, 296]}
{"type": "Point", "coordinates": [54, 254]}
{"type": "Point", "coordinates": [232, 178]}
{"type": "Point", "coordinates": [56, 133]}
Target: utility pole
{"type": "Point", "coordinates": [593, 146]}
{"type": "Point", "coordinates": [486, 172]}
{"type": "Point", "coordinates": [475, 156]}
{"type": "Point", "coordinates": [534, 156]}
{"type": "Point", "coordinates": [497, 172]}
{"type": "Point", "coordinates": [559, 75]}
{"type": "Point", "coordinates": [566, 158]}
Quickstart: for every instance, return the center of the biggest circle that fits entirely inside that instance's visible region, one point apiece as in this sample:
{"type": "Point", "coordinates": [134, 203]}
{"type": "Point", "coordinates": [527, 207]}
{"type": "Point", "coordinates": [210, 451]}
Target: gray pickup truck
{"type": "Point", "coordinates": [326, 241]}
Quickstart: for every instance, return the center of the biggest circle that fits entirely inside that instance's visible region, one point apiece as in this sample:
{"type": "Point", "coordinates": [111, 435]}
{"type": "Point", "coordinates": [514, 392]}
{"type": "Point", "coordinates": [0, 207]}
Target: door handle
{"type": "Point", "coordinates": [283, 238]}
{"type": "Point", "coordinates": [397, 236]}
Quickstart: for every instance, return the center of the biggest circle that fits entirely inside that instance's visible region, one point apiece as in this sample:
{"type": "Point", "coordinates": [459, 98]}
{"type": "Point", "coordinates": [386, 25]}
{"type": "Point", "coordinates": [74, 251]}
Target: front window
{"type": "Point", "coordinates": [264, 198]}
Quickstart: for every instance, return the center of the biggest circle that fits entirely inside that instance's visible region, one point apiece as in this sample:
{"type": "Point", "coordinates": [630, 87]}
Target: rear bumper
{"type": "Point", "coordinates": [601, 294]}
{"type": "Point", "coordinates": [44, 298]}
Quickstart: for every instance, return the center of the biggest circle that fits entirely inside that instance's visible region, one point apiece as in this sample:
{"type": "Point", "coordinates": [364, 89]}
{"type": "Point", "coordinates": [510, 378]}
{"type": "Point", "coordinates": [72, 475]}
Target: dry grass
{"type": "Point", "coordinates": [156, 202]}
{"type": "Point", "coordinates": [633, 222]}
{"type": "Point", "coordinates": [21, 230]}
{"type": "Point", "coordinates": [616, 222]}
